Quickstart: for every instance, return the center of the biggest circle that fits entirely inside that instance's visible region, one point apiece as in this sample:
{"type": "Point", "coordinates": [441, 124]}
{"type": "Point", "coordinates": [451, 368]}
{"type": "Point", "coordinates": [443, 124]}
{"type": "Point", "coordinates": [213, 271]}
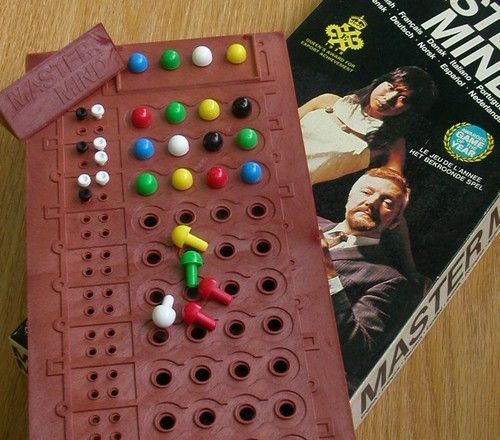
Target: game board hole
{"type": "Point", "coordinates": [86, 235]}
{"type": "Point", "coordinates": [103, 218]}
{"type": "Point", "coordinates": [92, 376]}
{"type": "Point", "coordinates": [207, 417]}
{"type": "Point", "coordinates": [108, 293]}
{"type": "Point", "coordinates": [111, 350]}
{"type": "Point", "coordinates": [286, 409]}
{"type": "Point", "coordinates": [268, 285]}
{"type": "Point", "coordinates": [280, 366]}
{"type": "Point", "coordinates": [90, 334]}
{"type": "Point", "coordinates": [105, 233]}
{"type": "Point", "coordinates": [88, 272]}
{"type": "Point", "coordinates": [109, 309]}
{"type": "Point", "coordinates": [88, 294]}
{"type": "Point", "coordinates": [166, 422]}
{"type": "Point", "coordinates": [95, 437]}
{"type": "Point", "coordinates": [257, 210]}
{"type": "Point", "coordinates": [149, 221]}
{"type": "Point", "coordinates": [156, 296]}
{"type": "Point", "coordinates": [83, 164]}
{"type": "Point", "coordinates": [99, 129]}
{"type": "Point", "coordinates": [185, 217]}
{"type": "Point", "coordinates": [107, 270]}
{"type": "Point", "coordinates": [87, 256]}
{"type": "Point", "coordinates": [262, 247]}
{"type": "Point", "coordinates": [153, 257]}
{"type": "Point", "coordinates": [232, 287]}
{"type": "Point", "coordinates": [105, 255]}
{"type": "Point", "coordinates": [236, 328]}
{"type": "Point", "coordinates": [197, 333]}
{"type": "Point", "coordinates": [113, 392]}
{"type": "Point", "coordinates": [246, 413]}
{"type": "Point", "coordinates": [110, 332]}
{"type": "Point", "coordinates": [94, 420]}
{"type": "Point", "coordinates": [162, 378]}
{"type": "Point", "coordinates": [225, 250]}
{"type": "Point", "coordinates": [274, 324]}
{"type": "Point", "coordinates": [202, 374]}
{"type": "Point", "coordinates": [192, 293]}
{"type": "Point", "coordinates": [159, 336]}
{"type": "Point", "coordinates": [240, 370]}
{"type": "Point", "coordinates": [89, 311]}
{"type": "Point", "coordinates": [103, 197]}
{"type": "Point", "coordinates": [86, 219]}
{"type": "Point", "coordinates": [91, 352]}
{"type": "Point", "coordinates": [93, 395]}
{"type": "Point", "coordinates": [116, 436]}
{"type": "Point", "coordinates": [112, 374]}
{"type": "Point", "coordinates": [82, 131]}
{"type": "Point", "coordinates": [114, 418]}
{"type": "Point", "coordinates": [222, 213]}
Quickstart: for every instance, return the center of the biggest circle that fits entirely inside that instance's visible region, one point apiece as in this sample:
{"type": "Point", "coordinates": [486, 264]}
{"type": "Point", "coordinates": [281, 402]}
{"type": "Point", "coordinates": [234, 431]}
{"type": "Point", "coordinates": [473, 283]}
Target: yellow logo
{"type": "Point", "coordinates": [347, 35]}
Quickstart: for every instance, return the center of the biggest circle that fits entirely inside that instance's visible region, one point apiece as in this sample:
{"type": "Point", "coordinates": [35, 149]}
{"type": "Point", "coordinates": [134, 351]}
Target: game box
{"type": "Point", "coordinates": [413, 87]}
{"type": "Point", "coordinates": [173, 189]}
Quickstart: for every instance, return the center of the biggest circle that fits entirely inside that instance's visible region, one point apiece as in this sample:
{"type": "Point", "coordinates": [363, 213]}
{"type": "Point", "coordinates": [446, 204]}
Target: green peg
{"type": "Point", "coordinates": [191, 260]}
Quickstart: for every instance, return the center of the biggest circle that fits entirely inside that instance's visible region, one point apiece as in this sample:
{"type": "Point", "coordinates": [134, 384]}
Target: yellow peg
{"type": "Point", "coordinates": [181, 236]}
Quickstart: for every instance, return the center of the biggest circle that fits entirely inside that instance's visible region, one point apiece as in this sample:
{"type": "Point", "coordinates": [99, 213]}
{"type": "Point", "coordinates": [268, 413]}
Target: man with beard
{"type": "Point", "coordinates": [371, 297]}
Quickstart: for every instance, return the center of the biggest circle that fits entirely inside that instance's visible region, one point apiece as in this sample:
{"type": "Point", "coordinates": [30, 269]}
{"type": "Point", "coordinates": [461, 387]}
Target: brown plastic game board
{"type": "Point", "coordinates": [98, 366]}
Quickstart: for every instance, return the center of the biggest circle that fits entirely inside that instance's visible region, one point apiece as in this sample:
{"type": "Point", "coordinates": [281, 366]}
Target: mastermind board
{"type": "Point", "coordinates": [101, 257]}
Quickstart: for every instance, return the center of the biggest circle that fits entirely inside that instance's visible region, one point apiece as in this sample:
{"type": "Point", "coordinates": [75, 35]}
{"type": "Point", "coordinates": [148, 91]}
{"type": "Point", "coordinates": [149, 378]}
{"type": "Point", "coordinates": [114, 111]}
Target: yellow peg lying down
{"type": "Point", "coordinates": [181, 236]}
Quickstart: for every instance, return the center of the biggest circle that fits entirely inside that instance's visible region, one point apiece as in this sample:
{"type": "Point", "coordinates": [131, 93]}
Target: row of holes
{"type": "Point", "coordinates": [95, 394]}
{"type": "Point", "coordinates": [96, 419]}
{"type": "Point", "coordinates": [106, 270]}
{"type": "Point", "coordinates": [113, 436]}
{"type": "Point", "coordinates": [90, 294]}
{"type": "Point", "coordinates": [239, 370]}
{"type": "Point", "coordinates": [83, 130]}
{"type": "Point", "coordinates": [273, 325]}
{"type": "Point", "coordinates": [92, 351]}
{"type": "Point", "coordinates": [87, 256]}
{"type": "Point", "coordinates": [103, 218]}
{"type": "Point", "coordinates": [260, 247]}
{"type": "Point", "coordinates": [102, 196]}
{"type": "Point", "coordinates": [244, 414]}
{"type": "Point", "coordinates": [266, 285]}
{"type": "Point", "coordinates": [220, 213]}
{"type": "Point", "coordinates": [108, 309]}
{"type": "Point", "coordinates": [109, 333]}
{"type": "Point", "coordinates": [94, 375]}
{"type": "Point", "coordinates": [86, 235]}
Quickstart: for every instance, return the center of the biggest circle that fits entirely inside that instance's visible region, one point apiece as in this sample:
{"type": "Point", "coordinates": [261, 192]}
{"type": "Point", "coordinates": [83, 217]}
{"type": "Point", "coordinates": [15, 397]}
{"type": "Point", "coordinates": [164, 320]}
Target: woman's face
{"type": "Point", "coordinates": [388, 99]}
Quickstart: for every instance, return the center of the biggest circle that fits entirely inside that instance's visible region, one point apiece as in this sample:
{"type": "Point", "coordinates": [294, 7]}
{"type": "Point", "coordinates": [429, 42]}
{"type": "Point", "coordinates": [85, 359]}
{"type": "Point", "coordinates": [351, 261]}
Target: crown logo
{"type": "Point", "coordinates": [358, 22]}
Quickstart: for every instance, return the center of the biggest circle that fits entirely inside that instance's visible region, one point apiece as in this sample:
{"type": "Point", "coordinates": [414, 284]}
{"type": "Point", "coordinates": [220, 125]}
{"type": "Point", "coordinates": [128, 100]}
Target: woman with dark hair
{"type": "Point", "coordinates": [366, 128]}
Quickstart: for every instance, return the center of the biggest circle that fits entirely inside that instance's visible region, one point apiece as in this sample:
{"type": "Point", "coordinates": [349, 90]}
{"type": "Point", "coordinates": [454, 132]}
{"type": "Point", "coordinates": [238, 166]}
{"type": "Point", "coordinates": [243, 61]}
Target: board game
{"type": "Point", "coordinates": [184, 144]}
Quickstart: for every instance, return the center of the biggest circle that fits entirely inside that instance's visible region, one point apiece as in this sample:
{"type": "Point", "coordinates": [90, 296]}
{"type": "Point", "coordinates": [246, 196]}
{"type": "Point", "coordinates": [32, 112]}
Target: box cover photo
{"type": "Point", "coordinates": [399, 105]}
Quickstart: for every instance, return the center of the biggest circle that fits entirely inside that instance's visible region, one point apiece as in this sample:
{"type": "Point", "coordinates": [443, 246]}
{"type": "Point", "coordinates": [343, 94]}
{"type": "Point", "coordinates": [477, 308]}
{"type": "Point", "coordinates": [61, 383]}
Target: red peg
{"type": "Point", "coordinates": [192, 314]}
{"type": "Point", "coordinates": [208, 289]}
{"type": "Point", "coordinates": [141, 117]}
{"type": "Point", "coordinates": [217, 177]}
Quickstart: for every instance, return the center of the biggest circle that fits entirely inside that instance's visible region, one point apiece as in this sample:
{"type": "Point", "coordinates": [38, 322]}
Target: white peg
{"type": "Point", "coordinates": [97, 111]}
{"type": "Point", "coordinates": [102, 177]}
{"type": "Point", "coordinates": [164, 314]}
{"type": "Point", "coordinates": [99, 143]}
{"type": "Point", "coordinates": [201, 56]}
{"type": "Point", "coordinates": [178, 145]}
{"type": "Point", "coordinates": [84, 180]}
{"type": "Point", "coordinates": [101, 158]}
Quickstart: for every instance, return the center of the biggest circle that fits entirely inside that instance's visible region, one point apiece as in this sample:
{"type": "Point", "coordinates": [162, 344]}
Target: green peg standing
{"type": "Point", "coordinates": [191, 260]}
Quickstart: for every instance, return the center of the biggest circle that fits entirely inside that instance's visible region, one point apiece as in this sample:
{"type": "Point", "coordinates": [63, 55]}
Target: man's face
{"type": "Point", "coordinates": [373, 205]}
